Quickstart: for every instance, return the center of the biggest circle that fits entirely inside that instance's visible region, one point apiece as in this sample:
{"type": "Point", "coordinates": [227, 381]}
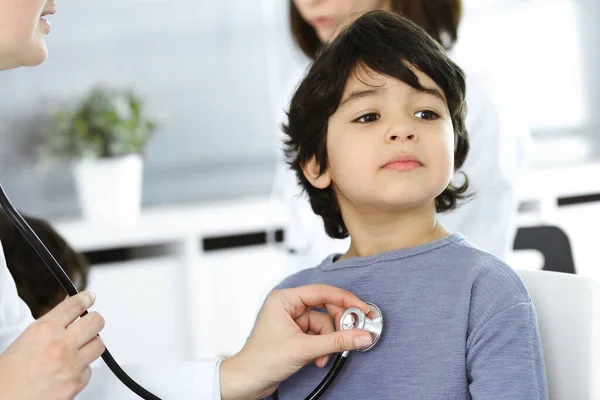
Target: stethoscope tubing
{"type": "Point", "coordinates": [62, 277]}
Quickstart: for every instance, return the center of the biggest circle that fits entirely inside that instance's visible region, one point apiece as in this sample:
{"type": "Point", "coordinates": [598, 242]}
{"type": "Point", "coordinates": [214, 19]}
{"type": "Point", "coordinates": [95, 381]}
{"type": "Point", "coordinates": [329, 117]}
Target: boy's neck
{"type": "Point", "coordinates": [378, 232]}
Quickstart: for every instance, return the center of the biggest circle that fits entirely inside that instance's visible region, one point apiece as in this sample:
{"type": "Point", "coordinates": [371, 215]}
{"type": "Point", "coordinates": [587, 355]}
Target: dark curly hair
{"type": "Point", "coordinates": [386, 44]}
{"type": "Point", "coordinates": [35, 283]}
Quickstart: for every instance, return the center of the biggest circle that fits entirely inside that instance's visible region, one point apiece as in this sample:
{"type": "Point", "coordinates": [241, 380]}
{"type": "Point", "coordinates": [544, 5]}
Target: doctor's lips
{"type": "Point", "coordinates": [322, 22]}
{"type": "Point", "coordinates": [403, 162]}
{"type": "Point", "coordinates": [49, 11]}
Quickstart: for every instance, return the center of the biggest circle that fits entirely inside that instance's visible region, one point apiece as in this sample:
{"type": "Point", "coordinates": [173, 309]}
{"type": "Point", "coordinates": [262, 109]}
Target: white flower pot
{"type": "Point", "coordinates": [110, 189]}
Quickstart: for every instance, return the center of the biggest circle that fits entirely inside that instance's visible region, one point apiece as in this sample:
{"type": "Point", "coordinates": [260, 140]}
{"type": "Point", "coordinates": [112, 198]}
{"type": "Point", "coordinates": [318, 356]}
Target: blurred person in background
{"type": "Point", "coordinates": [36, 284]}
{"type": "Point", "coordinates": [498, 138]}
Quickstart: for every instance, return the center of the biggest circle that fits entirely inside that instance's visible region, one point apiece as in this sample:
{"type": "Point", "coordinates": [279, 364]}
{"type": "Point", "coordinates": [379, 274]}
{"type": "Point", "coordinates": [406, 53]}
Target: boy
{"type": "Point", "coordinates": [375, 134]}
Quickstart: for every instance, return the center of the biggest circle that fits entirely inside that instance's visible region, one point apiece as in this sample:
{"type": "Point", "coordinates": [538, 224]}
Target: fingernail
{"type": "Point", "coordinates": [363, 341]}
{"type": "Point", "coordinates": [325, 361]}
{"type": "Point", "coordinates": [92, 297]}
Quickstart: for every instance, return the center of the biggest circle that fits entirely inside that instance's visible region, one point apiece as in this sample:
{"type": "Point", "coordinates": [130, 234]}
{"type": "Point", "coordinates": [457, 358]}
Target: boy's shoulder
{"type": "Point", "coordinates": [487, 272]}
{"type": "Point", "coordinates": [483, 266]}
{"type": "Point", "coordinates": [494, 285]}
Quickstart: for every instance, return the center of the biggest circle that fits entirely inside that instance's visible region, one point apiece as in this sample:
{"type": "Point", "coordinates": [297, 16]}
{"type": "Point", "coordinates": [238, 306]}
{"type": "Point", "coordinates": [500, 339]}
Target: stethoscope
{"type": "Point", "coordinates": [352, 318]}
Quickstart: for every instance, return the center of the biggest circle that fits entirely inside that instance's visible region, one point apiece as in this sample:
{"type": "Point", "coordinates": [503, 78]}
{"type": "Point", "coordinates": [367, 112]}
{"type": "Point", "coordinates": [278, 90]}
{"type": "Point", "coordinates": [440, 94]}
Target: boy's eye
{"type": "Point", "coordinates": [427, 115]}
{"type": "Point", "coordinates": [370, 117]}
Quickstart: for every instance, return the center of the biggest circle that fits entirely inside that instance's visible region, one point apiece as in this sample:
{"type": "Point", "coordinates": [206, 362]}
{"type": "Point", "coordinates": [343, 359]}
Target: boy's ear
{"type": "Point", "coordinates": [312, 172]}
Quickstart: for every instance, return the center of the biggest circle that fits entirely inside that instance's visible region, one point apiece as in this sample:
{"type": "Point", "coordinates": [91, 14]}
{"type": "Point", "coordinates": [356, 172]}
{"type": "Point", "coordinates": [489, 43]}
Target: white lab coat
{"type": "Point", "coordinates": [499, 140]}
{"type": "Point", "coordinates": [189, 380]}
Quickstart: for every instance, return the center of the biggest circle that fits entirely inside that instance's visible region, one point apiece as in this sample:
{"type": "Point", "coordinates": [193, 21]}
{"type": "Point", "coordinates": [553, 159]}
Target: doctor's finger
{"type": "Point", "coordinates": [335, 312]}
{"type": "Point", "coordinates": [85, 329]}
{"type": "Point", "coordinates": [304, 297]}
{"type": "Point", "coordinates": [70, 309]}
{"type": "Point", "coordinates": [90, 352]}
{"type": "Point", "coordinates": [315, 322]}
{"type": "Point", "coordinates": [317, 346]}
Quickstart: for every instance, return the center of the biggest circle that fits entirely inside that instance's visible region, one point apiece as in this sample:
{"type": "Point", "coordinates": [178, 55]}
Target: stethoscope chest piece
{"type": "Point", "coordinates": [354, 318]}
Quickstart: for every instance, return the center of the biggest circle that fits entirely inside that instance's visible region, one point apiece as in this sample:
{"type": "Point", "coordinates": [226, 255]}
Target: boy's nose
{"type": "Point", "coordinates": [401, 132]}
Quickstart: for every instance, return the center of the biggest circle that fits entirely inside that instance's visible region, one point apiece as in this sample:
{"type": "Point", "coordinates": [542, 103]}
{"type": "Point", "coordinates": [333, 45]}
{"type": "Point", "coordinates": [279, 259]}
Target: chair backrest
{"type": "Point", "coordinates": [568, 310]}
{"type": "Point", "coordinates": [552, 241]}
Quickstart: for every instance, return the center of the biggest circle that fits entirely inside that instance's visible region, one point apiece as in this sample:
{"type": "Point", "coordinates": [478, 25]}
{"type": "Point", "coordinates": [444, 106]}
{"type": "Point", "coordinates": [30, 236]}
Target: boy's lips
{"type": "Point", "coordinates": [403, 162]}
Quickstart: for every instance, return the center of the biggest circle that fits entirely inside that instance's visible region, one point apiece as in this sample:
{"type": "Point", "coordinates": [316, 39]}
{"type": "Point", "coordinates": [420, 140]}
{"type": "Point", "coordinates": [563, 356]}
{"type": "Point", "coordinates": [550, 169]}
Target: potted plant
{"type": "Point", "coordinates": [105, 135]}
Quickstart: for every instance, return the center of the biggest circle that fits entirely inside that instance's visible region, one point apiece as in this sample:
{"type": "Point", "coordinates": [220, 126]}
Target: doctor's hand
{"type": "Point", "coordinates": [288, 335]}
{"type": "Point", "coordinates": [51, 358]}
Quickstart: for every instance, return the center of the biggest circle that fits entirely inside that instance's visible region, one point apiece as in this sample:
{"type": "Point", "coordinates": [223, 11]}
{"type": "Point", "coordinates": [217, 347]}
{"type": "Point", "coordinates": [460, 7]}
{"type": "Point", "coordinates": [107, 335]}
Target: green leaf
{"type": "Point", "coordinates": [105, 123]}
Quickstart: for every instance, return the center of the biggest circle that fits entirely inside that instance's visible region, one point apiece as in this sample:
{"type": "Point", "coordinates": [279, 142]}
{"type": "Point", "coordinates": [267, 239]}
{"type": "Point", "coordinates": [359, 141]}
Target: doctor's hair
{"type": "Point", "coordinates": [378, 42]}
{"type": "Point", "coordinates": [36, 285]}
{"type": "Point", "coordinates": [439, 18]}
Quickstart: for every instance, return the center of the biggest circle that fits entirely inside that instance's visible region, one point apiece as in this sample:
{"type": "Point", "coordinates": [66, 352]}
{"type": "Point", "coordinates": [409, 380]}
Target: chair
{"type": "Point", "coordinates": [552, 242]}
{"type": "Point", "coordinates": [568, 311]}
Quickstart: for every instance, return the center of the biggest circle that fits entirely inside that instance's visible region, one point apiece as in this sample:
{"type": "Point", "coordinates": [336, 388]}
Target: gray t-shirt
{"type": "Point", "coordinates": [459, 324]}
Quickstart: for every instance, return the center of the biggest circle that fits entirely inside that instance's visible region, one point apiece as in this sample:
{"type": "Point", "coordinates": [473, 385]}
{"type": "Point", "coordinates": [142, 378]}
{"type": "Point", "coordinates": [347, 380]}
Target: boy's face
{"type": "Point", "coordinates": [390, 146]}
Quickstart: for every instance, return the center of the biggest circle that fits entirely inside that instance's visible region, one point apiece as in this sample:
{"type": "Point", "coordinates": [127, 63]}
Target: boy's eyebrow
{"type": "Point", "coordinates": [362, 93]}
{"type": "Point", "coordinates": [359, 94]}
{"type": "Point", "coordinates": [432, 92]}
